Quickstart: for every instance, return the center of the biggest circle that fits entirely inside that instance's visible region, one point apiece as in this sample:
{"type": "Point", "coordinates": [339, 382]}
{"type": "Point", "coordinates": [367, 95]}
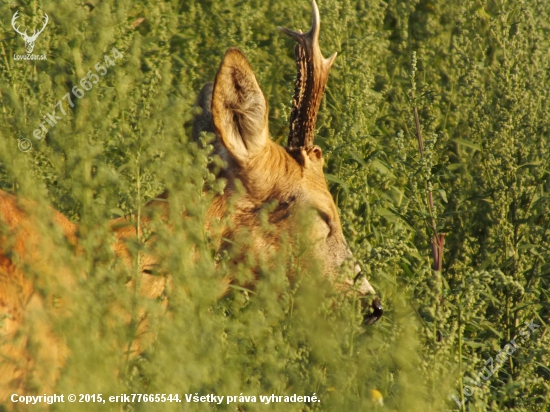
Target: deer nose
{"type": "Point", "coordinates": [376, 309]}
{"type": "Point", "coordinates": [376, 314]}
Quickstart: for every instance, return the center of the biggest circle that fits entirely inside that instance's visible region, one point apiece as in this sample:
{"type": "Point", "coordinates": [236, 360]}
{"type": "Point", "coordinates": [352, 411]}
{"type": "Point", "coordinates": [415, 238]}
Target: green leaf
{"type": "Point", "coordinates": [117, 212]}
{"type": "Point", "coordinates": [334, 179]}
{"type": "Point", "coordinates": [395, 195]}
{"type": "Point", "coordinates": [527, 246]}
{"type": "Point", "coordinates": [531, 164]}
{"type": "Point", "coordinates": [467, 143]}
{"type": "Point", "coordinates": [475, 345]}
{"type": "Point", "coordinates": [356, 156]}
{"type": "Point", "coordinates": [381, 167]}
{"type": "Point", "coordinates": [388, 214]}
{"type": "Point", "coordinates": [443, 195]}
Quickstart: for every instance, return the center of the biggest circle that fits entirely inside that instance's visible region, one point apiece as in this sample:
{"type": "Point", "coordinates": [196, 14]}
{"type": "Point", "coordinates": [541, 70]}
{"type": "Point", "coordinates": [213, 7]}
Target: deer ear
{"type": "Point", "coordinates": [239, 108]}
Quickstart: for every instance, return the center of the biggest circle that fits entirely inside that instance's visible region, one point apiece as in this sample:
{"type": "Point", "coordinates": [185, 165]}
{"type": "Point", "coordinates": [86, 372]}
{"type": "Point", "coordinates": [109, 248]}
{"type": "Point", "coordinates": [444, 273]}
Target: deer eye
{"type": "Point", "coordinates": [151, 270]}
{"type": "Point", "coordinates": [326, 218]}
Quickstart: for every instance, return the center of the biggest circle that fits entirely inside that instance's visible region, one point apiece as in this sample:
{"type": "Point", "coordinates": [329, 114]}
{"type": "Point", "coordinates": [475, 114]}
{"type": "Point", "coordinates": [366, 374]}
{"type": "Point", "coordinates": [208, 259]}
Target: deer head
{"type": "Point", "coordinates": [29, 40]}
{"type": "Point", "coordinates": [292, 177]}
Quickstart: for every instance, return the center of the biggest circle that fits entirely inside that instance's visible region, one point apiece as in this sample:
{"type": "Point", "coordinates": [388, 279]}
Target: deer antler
{"type": "Point", "coordinates": [311, 80]}
{"type": "Point", "coordinates": [46, 20]}
{"type": "Point", "coordinates": [15, 16]}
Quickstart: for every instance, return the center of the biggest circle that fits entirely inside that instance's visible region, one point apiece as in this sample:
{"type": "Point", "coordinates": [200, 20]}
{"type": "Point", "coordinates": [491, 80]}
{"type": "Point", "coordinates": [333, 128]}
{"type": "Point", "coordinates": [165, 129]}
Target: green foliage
{"type": "Point", "coordinates": [480, 76]}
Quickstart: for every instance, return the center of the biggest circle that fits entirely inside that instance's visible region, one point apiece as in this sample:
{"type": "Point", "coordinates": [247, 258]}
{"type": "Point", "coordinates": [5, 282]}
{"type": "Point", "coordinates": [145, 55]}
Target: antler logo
{"type": "Point", "coordinates": [29, 40]}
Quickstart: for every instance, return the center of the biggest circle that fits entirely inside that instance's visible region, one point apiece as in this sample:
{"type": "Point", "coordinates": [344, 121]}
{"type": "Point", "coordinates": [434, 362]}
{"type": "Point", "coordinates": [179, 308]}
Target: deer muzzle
{"type": "Point", "coordinates": [375, 310]}
{"type": "Point", "coordinates": [375, 313]}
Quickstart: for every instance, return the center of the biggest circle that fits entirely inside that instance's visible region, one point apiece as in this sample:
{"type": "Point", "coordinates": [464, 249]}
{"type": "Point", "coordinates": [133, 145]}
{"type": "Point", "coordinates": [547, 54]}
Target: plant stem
{"type": "Point", "coordinates": [438, 240]}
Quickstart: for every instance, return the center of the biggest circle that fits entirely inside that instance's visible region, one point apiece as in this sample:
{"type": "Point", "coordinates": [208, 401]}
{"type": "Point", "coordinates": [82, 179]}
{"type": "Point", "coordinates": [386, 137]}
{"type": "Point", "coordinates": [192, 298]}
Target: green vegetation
{"type": "Point", "coordinates": [477, 72]}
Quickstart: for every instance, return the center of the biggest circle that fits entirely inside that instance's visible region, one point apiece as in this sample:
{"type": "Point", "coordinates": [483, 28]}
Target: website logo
{"type": "Point", "coordinates": [29, 40]}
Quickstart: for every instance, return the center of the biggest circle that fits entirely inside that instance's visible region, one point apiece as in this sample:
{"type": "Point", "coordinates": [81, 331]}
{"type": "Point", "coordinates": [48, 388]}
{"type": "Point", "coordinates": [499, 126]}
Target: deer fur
{"type": "Point", "coordinates": [236, 111]}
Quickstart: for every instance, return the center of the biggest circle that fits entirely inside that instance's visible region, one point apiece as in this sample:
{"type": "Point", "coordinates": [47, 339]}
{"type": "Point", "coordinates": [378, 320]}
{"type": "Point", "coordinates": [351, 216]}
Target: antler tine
{"type": "Point", "coordinates": [313, 70]}
{"type": "Point", "coordinates": [46, 20]}
{"type": "Point", "coordinates": [15, 17]}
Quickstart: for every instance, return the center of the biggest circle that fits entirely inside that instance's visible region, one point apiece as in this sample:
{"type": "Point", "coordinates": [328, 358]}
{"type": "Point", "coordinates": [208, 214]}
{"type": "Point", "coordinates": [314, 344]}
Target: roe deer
{"type": "Point", "coordinates": [235, 110]}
